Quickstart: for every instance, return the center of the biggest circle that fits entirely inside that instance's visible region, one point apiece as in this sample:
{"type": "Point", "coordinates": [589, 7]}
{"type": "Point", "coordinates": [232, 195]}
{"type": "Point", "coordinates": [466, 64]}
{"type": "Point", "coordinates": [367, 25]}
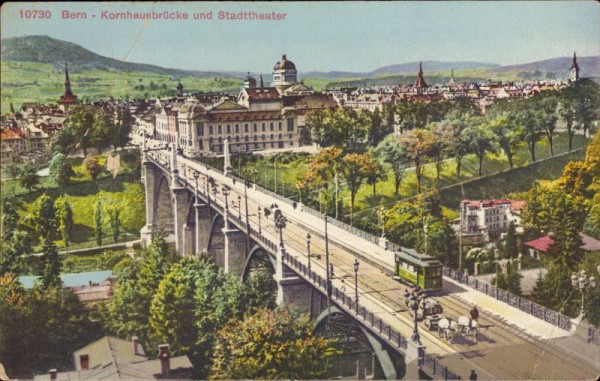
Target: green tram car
{"type": "Point", "coordinates": [418, 269]}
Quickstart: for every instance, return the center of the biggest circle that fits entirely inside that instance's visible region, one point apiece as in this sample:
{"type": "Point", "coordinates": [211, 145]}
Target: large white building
{"type": "Point", "coordinates": [260, 118]}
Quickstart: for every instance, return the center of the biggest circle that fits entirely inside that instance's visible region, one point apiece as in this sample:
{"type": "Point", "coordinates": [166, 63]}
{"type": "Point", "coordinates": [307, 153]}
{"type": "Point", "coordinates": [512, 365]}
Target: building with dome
{"type": "Point", "coordinates": [262, 117]}
{"type": "Point", "coordinates": [284, 73]}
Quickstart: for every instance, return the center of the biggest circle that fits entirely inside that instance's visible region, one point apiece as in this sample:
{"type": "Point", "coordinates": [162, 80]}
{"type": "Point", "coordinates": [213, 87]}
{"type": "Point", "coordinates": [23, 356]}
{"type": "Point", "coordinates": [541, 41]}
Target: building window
{"type": "Point", "coordinates": [255, 137]}
{"type": "Point", "coordinates": [219, 129]}
{"type": "Point", "coordinates": [263, 127]}
{"type": "Point", "coordinates": [280, 126]}
{"type": "Point", "coordinates": [290, 124]}
{"type": "Point", "coordinates": [237, 128]}
{"type": "Point", "coordinates": [255, 127]}
{"type": "Point", "coordinates": [246, 138]}
{"type": "Point", "coordinates": [237, 138]}
{"type": "Point", "coordinates": [280, 136]}
{"type": "Point", "coordinates": [210, 130]}
{"type": "Point", "coordinates": [263, 136]}
{"type": "Point", "coordinates": [220, 140]}
{"type": "Point", "coordinates": [246, 127]}
{"type": "Point", "coordinates": [200, 129]}
{"type": "Point", "coordinates": [229, 129]}
{"type": "Point", "coordinates": [271, 136]}
{"type": "Point", "coordinates": [271, 126]}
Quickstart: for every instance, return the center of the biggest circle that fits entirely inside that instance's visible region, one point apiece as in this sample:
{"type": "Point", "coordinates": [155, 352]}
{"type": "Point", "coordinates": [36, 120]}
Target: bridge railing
{"type": "Point", "coordinates": [435, 368]}
{"type": "Point", "coordinates": [516, 301]}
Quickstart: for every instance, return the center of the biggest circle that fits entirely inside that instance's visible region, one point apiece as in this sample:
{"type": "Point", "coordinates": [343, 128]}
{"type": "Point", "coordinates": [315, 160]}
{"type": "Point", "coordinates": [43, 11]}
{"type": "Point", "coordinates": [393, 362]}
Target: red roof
{"type": "Point", "coordinates": [8, 134]}
{"type": "Point", "coordinates": [487, 203]}
{"type": "Point", "coordinates": [542, 244]}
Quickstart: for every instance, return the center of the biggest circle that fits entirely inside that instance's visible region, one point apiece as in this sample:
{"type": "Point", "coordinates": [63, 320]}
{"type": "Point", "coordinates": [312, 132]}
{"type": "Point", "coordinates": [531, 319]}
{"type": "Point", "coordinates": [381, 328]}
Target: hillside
{"type": "Point", "coordinates": [44, 49]}
{"type": "Point", "coordinates": [589, 67]}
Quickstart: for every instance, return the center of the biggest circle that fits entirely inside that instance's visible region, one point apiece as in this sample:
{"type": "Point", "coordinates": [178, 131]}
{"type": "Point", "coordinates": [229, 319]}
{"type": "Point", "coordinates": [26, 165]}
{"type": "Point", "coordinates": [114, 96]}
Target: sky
{"type": "Point", "coordinates": [324, 36]}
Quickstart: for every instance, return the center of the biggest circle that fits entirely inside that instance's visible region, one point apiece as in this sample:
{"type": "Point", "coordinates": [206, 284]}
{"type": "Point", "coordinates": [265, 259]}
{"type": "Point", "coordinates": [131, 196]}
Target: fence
{"type": "Point", "coordinates": [436, 368]}
{"type": "Point", "coordinates": [516, 301]}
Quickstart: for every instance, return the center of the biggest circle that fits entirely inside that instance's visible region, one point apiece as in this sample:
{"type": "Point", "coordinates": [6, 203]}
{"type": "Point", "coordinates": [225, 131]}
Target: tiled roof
{"type": "Point", "coordinates": [9, 135]}
{"type": "Point", "coordinates": [542, 244]}
{"type": "Point", "coordinates": [486, 203]}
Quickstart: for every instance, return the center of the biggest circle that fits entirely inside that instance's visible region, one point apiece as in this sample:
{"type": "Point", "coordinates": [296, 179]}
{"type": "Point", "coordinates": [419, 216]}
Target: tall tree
{"type": "Point", "coordinates": [546, 117]}
{"type": "Point", "coordinates": [98, 223]}
{"type": "Point", "coordinates": [43, 216]}
{"type": "Point", "coordinates": [511, 247]}
{"type": "Point", "coordinates": [507, 134]}
{"type": "Point", "coordinates": [480, 140]}
{"type": "Point", "coordinates": [77, 130]}
{"type": "Point", "coordinates": [355, 168]}
{"type": "Point", "coordinates": [376, 173]}
{"type": "Point", "coordinates": [51, 275]}
{"type": "Point", "coordinates": [417, 145]}
{"type": "Point", "coordinates": [65, 219]}
{"type": "Point", "coordinates": [391, 153]}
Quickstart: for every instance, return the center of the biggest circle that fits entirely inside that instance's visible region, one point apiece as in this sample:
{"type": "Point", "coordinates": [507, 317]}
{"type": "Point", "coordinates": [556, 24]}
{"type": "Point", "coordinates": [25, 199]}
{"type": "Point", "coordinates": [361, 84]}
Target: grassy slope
{"type": "Point", "coordinates": [39, 82]}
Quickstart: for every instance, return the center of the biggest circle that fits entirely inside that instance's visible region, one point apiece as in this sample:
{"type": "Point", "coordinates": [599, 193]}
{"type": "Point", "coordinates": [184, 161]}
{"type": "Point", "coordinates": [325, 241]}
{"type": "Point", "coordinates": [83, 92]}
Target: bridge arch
{"type": "Point", "coordinates": [258, 259]}
{"type": "Point", "coordinates": [358, 343]}
{"type": "Point", "coordinates": [164, 218]}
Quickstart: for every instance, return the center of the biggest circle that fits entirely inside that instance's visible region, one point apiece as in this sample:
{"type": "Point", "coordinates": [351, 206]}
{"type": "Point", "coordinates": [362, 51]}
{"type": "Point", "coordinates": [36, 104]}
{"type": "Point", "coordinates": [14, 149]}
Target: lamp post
{"type": "Point", "coordinates": [416, 299]}
{"type": "Point", "coordinates": [356, 264]}
{"type": "Point", "coordinates": [226, 191]}
{"type": "Point", "coordinates": [240, 207]}
{"type": "Point", "coordinates": [246, 185]}
{"type": "Point", "coordinates": [259, 228]}
{"type": "Point", "coordinates": [308, 251]}
{"type": "Point", "coordinates": [583, 283]}
{"type": "Point", "coordinates": [327, 266]}
{"type": "Point", "coordinates": [196, 212]}
{"type": "Point", "coordinates": [280, 222]}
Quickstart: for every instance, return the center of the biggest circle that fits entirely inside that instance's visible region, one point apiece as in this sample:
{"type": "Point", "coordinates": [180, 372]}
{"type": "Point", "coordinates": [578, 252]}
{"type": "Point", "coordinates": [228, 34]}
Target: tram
{"type": "Point", "coordinates": [418, 269]}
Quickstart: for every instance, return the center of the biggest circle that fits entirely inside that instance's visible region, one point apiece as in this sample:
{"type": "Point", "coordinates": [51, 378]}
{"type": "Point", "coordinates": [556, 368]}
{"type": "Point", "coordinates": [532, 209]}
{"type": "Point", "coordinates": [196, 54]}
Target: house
{"type": "Point", "coordinates": [112, 358]}
{"type": "Point", "coordinates": [541, 245]}
{"type": "Point", "coordinates": [489, 217]}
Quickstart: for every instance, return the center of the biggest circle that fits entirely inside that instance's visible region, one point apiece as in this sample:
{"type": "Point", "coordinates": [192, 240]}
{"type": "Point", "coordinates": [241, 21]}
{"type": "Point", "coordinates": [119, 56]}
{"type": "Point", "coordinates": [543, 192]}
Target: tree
{"type": "Point", "coordinates": [507, 134]}
{"type": "Point", "coordinates": [57, 159]}
{"type": "Point", "coordinates": [375, 174]}
{"type": "Point", "coordinates": [391, 153]}
{"type": "Point", "coordinates": [480, 141]}
{"type": "Point", "coordinates": [567, 110]}
{"type": "Point", "coordinates": [438, 145]}
{"type": "Point", "coordinates": [529, 129]}
{"type": "Point", "coordinates": [77, 130]}
{"type": "Point", "coordinates": [43, 216]}
{"type": "Point", "coordinates": [51, 276]}
{"type": "Point", "coordinates": [452, 131]}
{"type": "Point", "coordinates": [65, 219]}
{"type": "Point", "coordinates": [355, 168]}
{"type": "Point", "coordinates": [417, 145]}
{"type": "Point", "coordinates": [63, 174]}
{"type": "Point", "coordinates": [546, 116]}
{"type": "Point", "coordinates": [92, 167]}
{"type": "Point", "coordinates": [113, 217]}
{"type": "Point", "coordinates": [29, 177]}
{"type": "Point", "coordinates": [98, 223]}
{"type": "Point", "coordinates": [272, 345]}
{"type": "Point", "coordinates": [104, 131]}
{"type": "Point", "coordinates": [123, 127]}
{"type": "Point", "coordinates": [511, 246]}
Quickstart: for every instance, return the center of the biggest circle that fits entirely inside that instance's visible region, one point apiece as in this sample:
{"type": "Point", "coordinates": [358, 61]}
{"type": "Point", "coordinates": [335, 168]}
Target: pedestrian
{"type": "Point", "coordinates": [473, 376]}
{"type": "Point", "coordinates": [406, 296]}
{"type": "Point", "coordinates": [474, 313]}
{"type": "Point", "coordinates": [295, 205]}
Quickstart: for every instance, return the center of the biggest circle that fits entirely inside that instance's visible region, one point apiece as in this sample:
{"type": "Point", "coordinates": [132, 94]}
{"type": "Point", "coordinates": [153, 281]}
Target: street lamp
{"type": "Point", "coordinates": [583, 283]}
{"type": "Point", "coordinates": [240, 207]}
{"type": "Point", "coordinates": [259, 228]}
{"type": "Point", "coordinates": [308, 251]}
{"type": "Point", "coordinates": [416, 299]}
{"type": "Point", "coordinates": [196, 212]}
{"type": "Point", "coordinates": [246, 185]}
{"type": "Point", "coordinates": [356, 283]}
{"type": "Point", "coordinates": [280, 222]}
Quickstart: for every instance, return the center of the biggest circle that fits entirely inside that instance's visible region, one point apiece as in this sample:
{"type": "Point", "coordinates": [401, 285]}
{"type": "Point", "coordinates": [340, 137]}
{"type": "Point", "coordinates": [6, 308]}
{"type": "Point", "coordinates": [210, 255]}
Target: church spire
{"type": "Point", "coordinates": [67, 80]}
{"type": "Point", "coordinates": [574, 69]}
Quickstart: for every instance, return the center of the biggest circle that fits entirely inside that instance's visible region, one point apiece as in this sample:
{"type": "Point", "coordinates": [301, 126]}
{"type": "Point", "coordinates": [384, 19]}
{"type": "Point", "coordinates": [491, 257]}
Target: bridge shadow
{"type": "Point", "coordinates": [451, 288]}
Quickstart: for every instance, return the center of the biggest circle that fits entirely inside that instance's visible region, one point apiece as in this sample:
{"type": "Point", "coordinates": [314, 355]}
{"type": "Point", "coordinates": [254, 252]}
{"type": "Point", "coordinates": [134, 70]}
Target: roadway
{"type": "Point", "coordinates": [502, 350]}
